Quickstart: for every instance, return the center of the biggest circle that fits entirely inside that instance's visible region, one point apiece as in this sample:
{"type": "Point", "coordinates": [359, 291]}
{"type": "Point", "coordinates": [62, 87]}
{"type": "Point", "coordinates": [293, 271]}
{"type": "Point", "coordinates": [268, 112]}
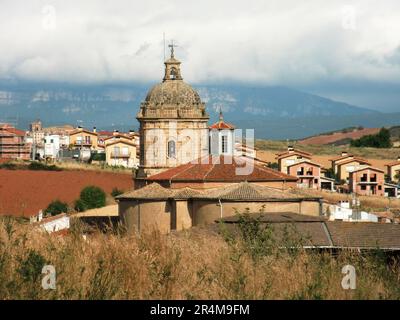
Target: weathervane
{"type": "Point", "coordinates": [172, 46]}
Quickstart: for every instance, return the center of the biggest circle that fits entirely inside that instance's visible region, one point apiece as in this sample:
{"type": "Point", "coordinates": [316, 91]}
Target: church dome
{"type": "Point", "coordinates": [172, 98]}
{"type": "Point", "coordinates": [173, 92]}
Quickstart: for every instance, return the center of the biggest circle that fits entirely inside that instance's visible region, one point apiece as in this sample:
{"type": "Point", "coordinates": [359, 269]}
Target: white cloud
{"type": "Point", "coordinates": [272, 42]}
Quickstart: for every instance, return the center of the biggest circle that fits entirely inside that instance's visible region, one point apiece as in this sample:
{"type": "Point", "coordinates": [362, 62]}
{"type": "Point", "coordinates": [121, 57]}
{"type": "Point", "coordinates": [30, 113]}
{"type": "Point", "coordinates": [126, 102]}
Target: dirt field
{"type": "Point", "coordinates": [25, 192]}
{"type": "Point", "coordinates": [330, 138]}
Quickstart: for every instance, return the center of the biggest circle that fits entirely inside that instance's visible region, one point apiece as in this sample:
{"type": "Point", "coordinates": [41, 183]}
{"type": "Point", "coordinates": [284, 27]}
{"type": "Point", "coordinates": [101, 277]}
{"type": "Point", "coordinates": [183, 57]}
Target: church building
{"type": "Point", "coordinates": [173, 123]}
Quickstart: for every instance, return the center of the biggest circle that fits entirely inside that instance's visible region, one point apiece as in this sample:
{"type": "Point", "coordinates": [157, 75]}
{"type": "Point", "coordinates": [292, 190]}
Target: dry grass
{"type": "Point", "coordinates": [197, 264]}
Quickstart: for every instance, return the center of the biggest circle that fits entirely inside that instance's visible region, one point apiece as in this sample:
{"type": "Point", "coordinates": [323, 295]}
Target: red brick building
{"type": "Point", "coordinates": [367, 181]}
{"type": "Point", "coordinates": [308, 172]}
{"type": "Point", "coordinates": [12, 143]}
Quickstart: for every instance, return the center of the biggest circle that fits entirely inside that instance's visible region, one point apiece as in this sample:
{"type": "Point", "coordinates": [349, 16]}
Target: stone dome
{"type": "Point", "coordinates": [173, 92]}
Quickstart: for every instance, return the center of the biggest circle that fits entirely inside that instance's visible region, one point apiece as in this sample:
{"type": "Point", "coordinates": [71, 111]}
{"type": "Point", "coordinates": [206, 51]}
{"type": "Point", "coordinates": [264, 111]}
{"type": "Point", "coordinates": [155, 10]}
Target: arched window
{"type": "Point", "coordinates": [171, 149]}
{"type": "Point", "coordinates": [173, 73]}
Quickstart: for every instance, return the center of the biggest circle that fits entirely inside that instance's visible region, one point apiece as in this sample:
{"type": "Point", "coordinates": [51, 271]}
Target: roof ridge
{"type": "Point", "coordinates": [189, 164]}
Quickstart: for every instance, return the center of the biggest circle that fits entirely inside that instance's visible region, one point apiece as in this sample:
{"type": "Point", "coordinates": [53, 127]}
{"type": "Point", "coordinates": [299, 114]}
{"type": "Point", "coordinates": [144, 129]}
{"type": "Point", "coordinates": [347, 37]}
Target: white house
{"type": "Point", "coordinates": [51, 224]}
{"type": "Point", "coordinates": [343, 212]}
{"type": "Point", "coordinates": [51, 146]}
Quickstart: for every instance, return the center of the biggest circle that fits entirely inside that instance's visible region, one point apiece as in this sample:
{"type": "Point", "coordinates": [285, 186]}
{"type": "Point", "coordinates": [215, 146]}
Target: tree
{"type": "Point", "coordinates": [379, 140]}
{"type": "Point", "coordinates": [56, 207]}
{"type": "Point", "coordinates": [116, 192]}
{"type": "Point", "coordinates": [91, 197]}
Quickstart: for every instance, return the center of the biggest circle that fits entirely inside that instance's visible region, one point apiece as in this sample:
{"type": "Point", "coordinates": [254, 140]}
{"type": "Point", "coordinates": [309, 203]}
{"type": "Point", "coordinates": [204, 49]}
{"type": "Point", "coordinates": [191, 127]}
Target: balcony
{"type": "Point", "coordinates": [83, 143]}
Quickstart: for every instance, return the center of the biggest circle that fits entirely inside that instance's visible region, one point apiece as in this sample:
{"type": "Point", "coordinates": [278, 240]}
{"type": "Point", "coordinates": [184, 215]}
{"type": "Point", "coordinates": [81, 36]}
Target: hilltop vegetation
{"type": "Point", "coordinates": [379, 140]}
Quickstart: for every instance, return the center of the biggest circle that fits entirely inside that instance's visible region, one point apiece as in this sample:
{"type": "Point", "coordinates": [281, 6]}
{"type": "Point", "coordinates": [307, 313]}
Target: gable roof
{"type": "Point", "coordinates": [354, 159]}
{"type": "Point", "coordinates": [338, 158]}
{"type": "Point", "coordinates": [221, 125]}
{"type": "Point", "coordinates": [120, 141]}
{"type": "Point", "coordinates": [288, 153]}
{"type": "Point", "coordinates": [304, 161]}
{"type": "Point", "coordinates": [367, 168]}
{"type": "Point", "coordinates": [221, 168]}
{"type": "Point", "coordinates": [79, 130]}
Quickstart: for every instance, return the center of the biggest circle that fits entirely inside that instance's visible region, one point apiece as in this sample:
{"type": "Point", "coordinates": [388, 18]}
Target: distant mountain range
{"type": "Point", "coordinates": [274, 112]}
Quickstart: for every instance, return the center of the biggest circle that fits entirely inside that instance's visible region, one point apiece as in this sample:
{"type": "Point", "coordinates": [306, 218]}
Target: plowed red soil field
{"type": "Point", "coordinates": [331, 138]}
{"type": "Point", "coordinates": [25, 192]}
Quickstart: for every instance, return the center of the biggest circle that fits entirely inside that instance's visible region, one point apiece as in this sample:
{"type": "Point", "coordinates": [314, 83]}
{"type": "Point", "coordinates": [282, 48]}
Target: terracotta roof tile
{"type": "Point", "coordinates": [227, 169]}
{"type": "Point", "coordinates": [251, 192]}
{"type": "Point", "coordinates": [220, 125]}
{"type": "Point", "coordinates": [394, 163]}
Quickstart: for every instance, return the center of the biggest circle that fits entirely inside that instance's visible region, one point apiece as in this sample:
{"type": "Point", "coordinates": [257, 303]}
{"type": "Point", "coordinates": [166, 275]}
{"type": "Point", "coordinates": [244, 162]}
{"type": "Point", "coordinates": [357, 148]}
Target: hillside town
{"type": "Point", "coordinates": [200, 173]}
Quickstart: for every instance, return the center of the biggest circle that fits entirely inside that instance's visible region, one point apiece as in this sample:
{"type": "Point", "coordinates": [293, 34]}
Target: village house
{"type": "Point", "coordinates": [367, 181]}
{"type": "Point", "coordinates": [12, 143]}
{"type": "Point", "coordinates": [346, 163]}
{"type": "Point", "coordinates": [308, 173]}
{"type": "Point", "coordinates": [82, 138]}
{"type": "Point", "coordinates": [393, 170]}
{"type": "Point", "coordinates": [121, 152]}
{"type": "Point", "coordinates": [290, 157]}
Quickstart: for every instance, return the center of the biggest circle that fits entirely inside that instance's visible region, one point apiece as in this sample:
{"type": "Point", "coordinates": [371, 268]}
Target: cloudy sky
{"type": "Point", "coordinates": [346, 50]}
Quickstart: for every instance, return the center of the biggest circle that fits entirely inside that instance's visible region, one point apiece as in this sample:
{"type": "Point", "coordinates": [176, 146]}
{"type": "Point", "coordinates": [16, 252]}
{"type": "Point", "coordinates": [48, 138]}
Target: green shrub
{"type": "Point", "coordinates": [379, 140]}
{"type": "Point", "coordinates": [56, 207]}
{"type": "Point", "coordinates": [80, 206]}
{"type": "Point", "coordinates": [116, 192]}
{"type": "Point", "coordinates": [91, 197]}
{"type": "Point", "coordinates": [42, 166]}
{"type": "Point", "coordinates": [8, 166]}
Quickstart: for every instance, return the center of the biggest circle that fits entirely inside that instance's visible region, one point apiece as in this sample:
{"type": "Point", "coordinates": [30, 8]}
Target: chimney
{"type": "Point", "coordinates": [94, 130]}
{"type": "Point", "coordinates": [290, 148]}
{"type": "Point", "coordinates": [115, 132]}
{"type": "Point", "coordinates": [344, 154]}
{"type": "Point", "coordinates": [79, 127]}
{"type": "Point", "coordinates": [398, 158]}
{"type": "Point", "coordinates": [131, 131]}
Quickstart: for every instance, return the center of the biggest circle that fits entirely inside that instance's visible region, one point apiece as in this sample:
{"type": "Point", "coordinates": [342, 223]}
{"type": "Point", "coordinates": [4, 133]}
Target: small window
{"type": "Point", "coordinates": [363, 187]}
{"type": "Point", "coordinates": [171, 149]}
{"type": "Point", "coordinates": [224, 142]}
{"type": "Point", "coordinates": [379, 187]}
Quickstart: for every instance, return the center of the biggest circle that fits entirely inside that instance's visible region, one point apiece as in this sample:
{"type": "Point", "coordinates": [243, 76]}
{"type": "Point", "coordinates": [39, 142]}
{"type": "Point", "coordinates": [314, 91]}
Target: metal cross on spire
{"type": "Point", "coordinates": [172, 46]}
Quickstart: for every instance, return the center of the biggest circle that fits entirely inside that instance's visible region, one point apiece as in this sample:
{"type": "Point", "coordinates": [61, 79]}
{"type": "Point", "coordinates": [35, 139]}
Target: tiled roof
{"type": "Point", "coordinates": [151, 191]}
{"type": "Point", "coordinates": [354, 159]}
{"type": "Point", "coordinates": [304, 161]}
{"type": "Point", "coordinates": [220, 125]}
{"type": "Point", "coordinates": [12, 130]}
{"type": "Point", "coordinates": [249, 191]}
{"type": "Point", "coordinates": [394, 163]}
{"type": "Point", "coordinates": [120, 141]}
{"type": "Point", "coordinates": [227, 169]}
{"type": "Point", "coordinates": [341, 157]}
{"type": "Point", "coordinates": [243, 191]}
{"type": "Point", "coordinates": [78, 130]}
{"type": "Point", "coordinates": [365, 234]}
{"type": "Point", "coordinates": [367, 167]}
{"type": "Point", "coordinates": [331, 234]}
{"type": "Point", "coordinates": [293, 152]}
